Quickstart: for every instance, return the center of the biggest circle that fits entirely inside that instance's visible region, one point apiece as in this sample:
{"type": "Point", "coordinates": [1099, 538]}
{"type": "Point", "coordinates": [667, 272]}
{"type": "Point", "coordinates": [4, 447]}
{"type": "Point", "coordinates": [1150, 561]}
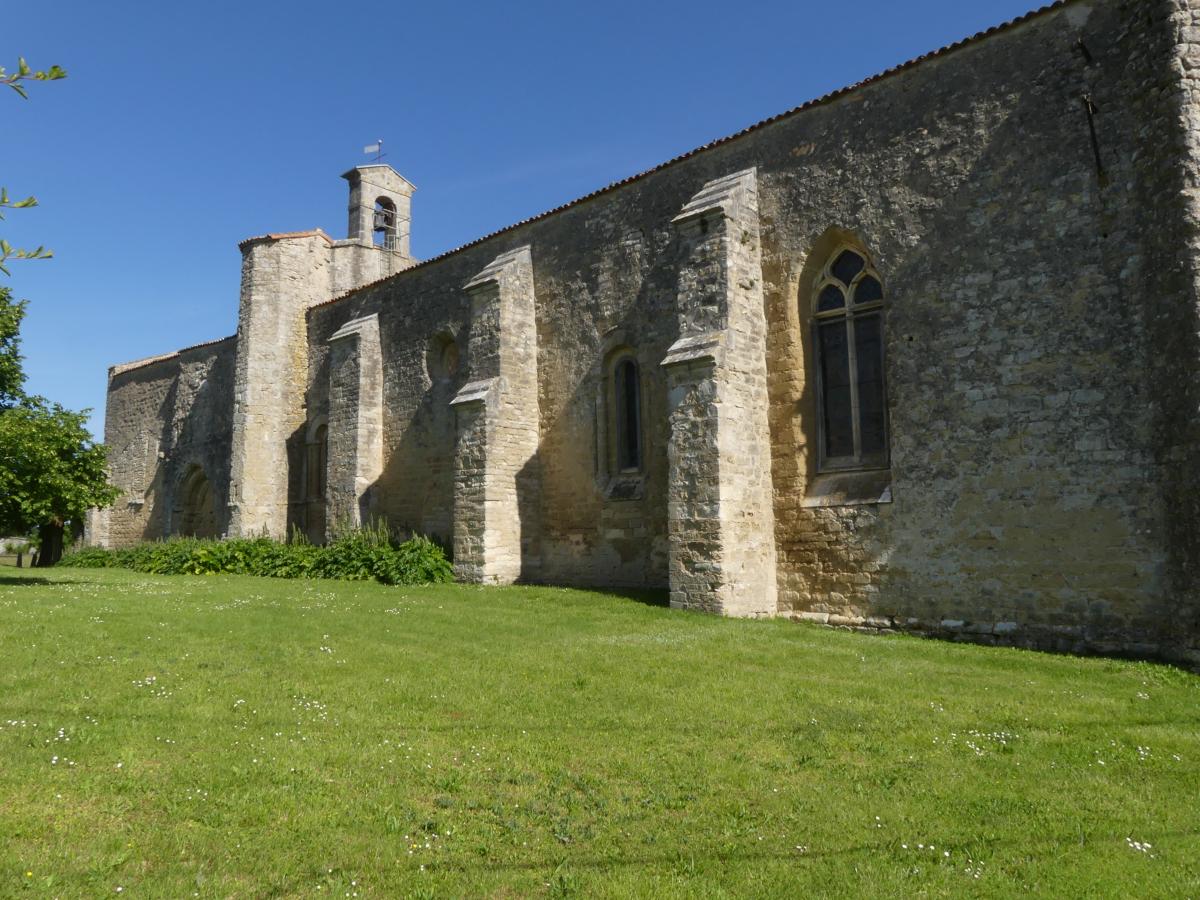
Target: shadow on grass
{"type": "Point", "coordinates": [26, 579]}
{"type": "Point", "coordinates": [649, 596]}
{"type": "Point", "coordinates": [660, 597]}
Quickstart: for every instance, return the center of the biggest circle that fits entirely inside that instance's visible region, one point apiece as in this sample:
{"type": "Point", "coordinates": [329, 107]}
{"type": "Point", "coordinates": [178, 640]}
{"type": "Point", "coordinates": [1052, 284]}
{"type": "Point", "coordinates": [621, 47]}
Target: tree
{"type": "Point", "coordinates": [11, 313]}
{"type": "Point", "coordinates": [51, 471]}
{"type": "Point", "coordinates": [24, 73]}
{"type": "Point", "coordinates": [15, 80]}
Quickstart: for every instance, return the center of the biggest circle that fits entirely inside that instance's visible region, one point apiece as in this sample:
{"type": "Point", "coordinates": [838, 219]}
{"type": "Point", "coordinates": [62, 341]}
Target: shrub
{"type": "Point", "coordinates": [90, 558]}
{"type": "Point", "coordinates": [417, 561]}
{"type": "Point", "coordinates": [355, 555]}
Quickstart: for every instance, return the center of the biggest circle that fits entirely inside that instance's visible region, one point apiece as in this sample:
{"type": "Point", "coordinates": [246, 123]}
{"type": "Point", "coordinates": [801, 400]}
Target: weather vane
{"type": "Point", "coordinates": [376, 148]}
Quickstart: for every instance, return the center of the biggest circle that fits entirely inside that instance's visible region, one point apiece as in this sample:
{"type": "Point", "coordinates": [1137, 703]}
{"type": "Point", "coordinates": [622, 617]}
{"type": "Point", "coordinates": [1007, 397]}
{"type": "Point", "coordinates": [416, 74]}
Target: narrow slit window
{"type": "Point", "coordinates": [627, 393]}
{"type": "Point", "coordinates": [848, 314]}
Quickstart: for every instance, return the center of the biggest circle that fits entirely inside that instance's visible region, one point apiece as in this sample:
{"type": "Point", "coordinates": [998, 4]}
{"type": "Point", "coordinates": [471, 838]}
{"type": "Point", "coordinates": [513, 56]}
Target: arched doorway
{"type": "Point", "coordinates": [195, 511]}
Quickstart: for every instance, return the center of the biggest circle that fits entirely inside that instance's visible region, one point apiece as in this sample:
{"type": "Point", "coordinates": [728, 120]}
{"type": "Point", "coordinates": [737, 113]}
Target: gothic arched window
{"type": "Point", "coordinates": [848, 332]}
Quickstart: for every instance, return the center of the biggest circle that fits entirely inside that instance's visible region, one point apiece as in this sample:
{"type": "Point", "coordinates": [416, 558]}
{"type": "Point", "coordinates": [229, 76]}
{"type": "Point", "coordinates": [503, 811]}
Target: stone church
{"type": "Point", "coordinates": [922, 354]}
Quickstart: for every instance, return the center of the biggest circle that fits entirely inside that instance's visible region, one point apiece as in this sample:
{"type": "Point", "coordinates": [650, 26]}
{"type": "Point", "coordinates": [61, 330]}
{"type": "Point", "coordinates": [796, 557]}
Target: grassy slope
{"type": "Point", "coordinates": [248, 737]}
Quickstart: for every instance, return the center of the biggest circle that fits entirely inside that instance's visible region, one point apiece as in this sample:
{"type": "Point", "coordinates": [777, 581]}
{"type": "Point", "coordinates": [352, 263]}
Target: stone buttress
{"type": "Point", "coordinates": [719, 496]}
{"type": "Point", "coordinates": [355, 423]}
{"type": "Point", "coordinates": [495, 456]}
{"type": "Point", "coordinates": [280, 280]}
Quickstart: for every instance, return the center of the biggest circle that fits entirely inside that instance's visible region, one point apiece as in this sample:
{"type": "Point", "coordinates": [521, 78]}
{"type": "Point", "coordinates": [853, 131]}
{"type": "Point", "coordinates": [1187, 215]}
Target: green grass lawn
{"type": "Point", "coordinates": [245, 737]}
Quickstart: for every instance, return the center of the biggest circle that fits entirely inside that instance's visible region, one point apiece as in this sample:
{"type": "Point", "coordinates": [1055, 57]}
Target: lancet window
{"type": "Point", "coordinates": [848, 317]}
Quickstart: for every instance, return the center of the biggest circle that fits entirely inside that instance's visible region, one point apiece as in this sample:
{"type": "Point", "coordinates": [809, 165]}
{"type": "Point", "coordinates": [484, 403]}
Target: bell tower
{"type": "Point", "coordinates": [283, 275]}
{"type": "Point", "coordinates": [380, 204]}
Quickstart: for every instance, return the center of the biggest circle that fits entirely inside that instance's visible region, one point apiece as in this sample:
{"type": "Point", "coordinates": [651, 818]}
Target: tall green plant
{"type": "Point", "coordinates": [364, 554]}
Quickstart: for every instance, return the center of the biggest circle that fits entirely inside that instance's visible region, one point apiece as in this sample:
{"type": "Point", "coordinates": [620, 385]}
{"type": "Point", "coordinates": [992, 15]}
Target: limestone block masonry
{"type": "Point", "coordinates": [719, 504]}
{"type": "Point", "coordinates": [922, 354]}
{"type": "Point", "coordinates": [277, 282]}
{"type": "Point", "coordinates": [355, 450]}
{"type": "Point", "coordinates": [495, 481]}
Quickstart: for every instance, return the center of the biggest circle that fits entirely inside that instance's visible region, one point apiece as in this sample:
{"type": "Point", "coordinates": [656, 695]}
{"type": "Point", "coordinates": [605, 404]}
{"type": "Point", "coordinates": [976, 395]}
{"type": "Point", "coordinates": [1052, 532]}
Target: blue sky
{"type": "Point", "coordinates": [185, 127]}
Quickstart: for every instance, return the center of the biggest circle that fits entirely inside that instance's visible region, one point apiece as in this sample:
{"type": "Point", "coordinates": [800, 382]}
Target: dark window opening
{"type": "Point", "coordinates": [868, 291]}
{"type": "Point", "coordinates": [835, 378]}
{"type": "Point", "coordinates": [846, 266]}
{"type": "Point", "coordinates": [850, 369]}
{"type": "Point", "coordinates": [318, 459]}
{"type": "Point", "coordinates": [384, 224]}
{"type": "Point", "coordinates": [628, 408]}
{"type": "Point", "coordinates": [831, 298]}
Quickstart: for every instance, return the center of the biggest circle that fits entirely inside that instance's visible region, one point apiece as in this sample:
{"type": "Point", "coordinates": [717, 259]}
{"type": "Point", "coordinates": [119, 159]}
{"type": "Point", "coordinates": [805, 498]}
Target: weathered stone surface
{"type": "Point", "coordinates": [355, 423]}
{"type": "Point", "coordinates": [719, 501]}
{"type": "Point", "coordinates": [496, 478]}
{"type": "Point", "coordinates": [370, 186]}
{"type": "Point", "coordinates": [1041, 345]}
{"type": "Point", "coordinates": [167, 417]}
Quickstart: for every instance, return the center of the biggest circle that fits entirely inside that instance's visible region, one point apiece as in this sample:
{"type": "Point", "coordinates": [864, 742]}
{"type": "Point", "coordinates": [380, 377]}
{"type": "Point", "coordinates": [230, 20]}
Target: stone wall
{"type": "Point", "coordinates": [1024, 492]}
{"type": "Point", "coordinates": [355, 450]}
{"type": "Point", "coordinates": [280, 280]}
{"type": "Point", "coordinates": [282, 276]}
{"type": "Point", "coordinates": [164, 417]}
{"type": "Point", "coordinates": [423, 330]}
{"type": "Point", "coordinates": [1029, 201]}
{"type": "Point", "coordinates": [1166, 284]}
{"type": "Point", "coordinates": [1027, 495]}
{"type": "Point", "coordinates": [497, 527]}
{"type": "Point", "coordinates": [720, 513]}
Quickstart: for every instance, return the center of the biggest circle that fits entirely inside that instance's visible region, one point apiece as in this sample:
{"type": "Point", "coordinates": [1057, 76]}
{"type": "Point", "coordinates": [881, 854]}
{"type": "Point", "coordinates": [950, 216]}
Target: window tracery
{"type": "Point", "coordinates": [848, 336]}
